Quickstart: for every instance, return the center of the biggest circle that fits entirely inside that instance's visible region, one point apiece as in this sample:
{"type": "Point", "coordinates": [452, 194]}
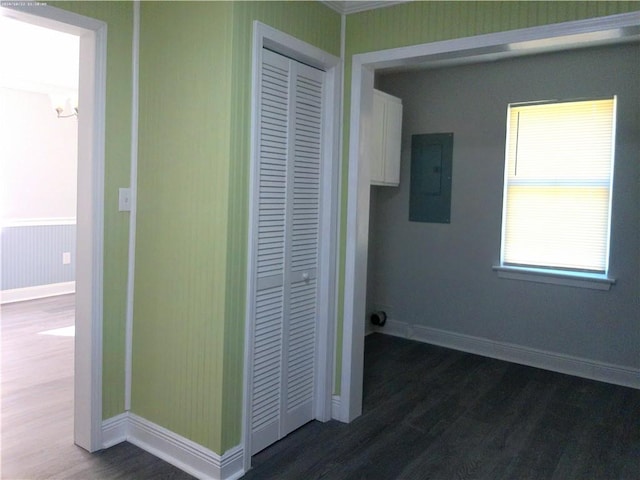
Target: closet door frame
{"type": "Point", "coordinates": [284, 44]}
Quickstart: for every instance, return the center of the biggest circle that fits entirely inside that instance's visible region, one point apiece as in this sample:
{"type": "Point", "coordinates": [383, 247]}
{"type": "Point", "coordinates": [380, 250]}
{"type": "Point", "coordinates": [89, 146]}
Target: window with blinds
{"type": "Point", "coordinates": [558, 177]}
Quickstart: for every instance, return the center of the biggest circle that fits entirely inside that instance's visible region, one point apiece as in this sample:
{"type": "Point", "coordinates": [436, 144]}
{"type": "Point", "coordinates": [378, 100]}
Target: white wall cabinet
{"type": "Point", "coordinates": [386, 139]}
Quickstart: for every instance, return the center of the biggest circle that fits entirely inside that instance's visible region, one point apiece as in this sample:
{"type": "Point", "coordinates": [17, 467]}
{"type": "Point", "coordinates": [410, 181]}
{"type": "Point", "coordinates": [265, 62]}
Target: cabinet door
{"type": "Point", "coordinates": [392, 142]}
{"type": "Point", "coordinates": [385, 139]}
{"type": "Point", "coordinates": [376, 165]}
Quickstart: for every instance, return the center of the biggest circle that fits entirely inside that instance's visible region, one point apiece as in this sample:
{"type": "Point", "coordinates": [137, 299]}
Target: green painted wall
{"type": "Point", "coordinates": [181, 234]}
{"type": "Point", "coordinates": [119, 18]}
{"type": "Point", "coordinates": [193, 164]}
{"type": "Point", "coordinates": [418, 22]}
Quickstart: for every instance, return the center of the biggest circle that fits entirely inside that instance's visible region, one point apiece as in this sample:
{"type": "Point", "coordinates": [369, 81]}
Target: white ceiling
{"type": "Point", "coordinates": [37, 59]}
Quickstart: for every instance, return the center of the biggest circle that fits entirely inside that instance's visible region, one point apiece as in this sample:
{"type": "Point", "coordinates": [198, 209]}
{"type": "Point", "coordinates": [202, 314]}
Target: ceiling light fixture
{"type": "Point", "coordinates": [60, 110]}
{"type": "Point", "coordinates": [65, 102]}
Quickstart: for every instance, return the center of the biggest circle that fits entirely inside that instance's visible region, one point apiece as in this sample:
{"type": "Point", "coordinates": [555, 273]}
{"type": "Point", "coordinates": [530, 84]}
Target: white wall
{"type": "Point", "coordinates": [38, 158]}
{"type": "Point", "coordinates": [439, 276]}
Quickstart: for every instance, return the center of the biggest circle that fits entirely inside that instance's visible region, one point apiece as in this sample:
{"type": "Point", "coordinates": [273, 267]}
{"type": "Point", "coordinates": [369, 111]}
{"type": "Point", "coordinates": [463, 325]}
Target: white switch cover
{"type": "Point", "coordinates": [124, 199]}
{"type": "Point", "coordinates": [66, 258]}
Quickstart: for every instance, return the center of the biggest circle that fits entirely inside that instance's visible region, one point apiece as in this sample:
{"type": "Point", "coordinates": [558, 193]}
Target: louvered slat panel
{"type": "Point", "coordinates": [269, 307]}
{"type": "Point", "coordinates": [266, 357]}
{"type": "Point", "coordinates": [302, 313]}
{"type": "Point", "coordinates": [301, 342]}
{"type": "Point", "coordinates": [306, 188]}
{"type": "Point", "coordinates": [272, 171]}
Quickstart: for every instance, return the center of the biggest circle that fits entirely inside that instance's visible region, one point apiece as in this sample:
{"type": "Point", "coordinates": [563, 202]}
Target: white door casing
{"type": "Point", "coordinates": [90, 210]}
{"type": "Point", "coordinates": [264, 288]}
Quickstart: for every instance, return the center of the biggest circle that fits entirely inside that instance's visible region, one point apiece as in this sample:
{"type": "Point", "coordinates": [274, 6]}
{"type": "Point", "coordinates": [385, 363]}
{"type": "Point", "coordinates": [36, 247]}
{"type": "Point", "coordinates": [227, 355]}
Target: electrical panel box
{"type": "Point", "coordinates": [431, 174]}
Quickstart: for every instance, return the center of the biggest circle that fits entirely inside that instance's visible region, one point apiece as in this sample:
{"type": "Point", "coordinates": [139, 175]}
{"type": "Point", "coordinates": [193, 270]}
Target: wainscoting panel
{"type": "Point", "coordinates": [32, 254]}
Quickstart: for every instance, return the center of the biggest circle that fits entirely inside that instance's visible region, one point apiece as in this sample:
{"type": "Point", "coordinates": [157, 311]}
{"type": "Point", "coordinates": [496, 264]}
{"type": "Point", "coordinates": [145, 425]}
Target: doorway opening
{"type": "Point", "coordinates": [38, 145]}
{"type": "Point", "coordinates": [548, 38]}
{"type": "Point", "coordinates": [90, 211]}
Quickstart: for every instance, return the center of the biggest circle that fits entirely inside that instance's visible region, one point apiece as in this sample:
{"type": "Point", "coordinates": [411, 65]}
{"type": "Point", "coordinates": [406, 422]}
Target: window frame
{"type": "Point", "coordinates": [552, 274]}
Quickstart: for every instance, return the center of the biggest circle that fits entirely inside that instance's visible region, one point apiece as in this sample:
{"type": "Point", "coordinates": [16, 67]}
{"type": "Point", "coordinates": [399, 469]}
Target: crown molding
{"type": "Point", "coordinates": [347, 7]}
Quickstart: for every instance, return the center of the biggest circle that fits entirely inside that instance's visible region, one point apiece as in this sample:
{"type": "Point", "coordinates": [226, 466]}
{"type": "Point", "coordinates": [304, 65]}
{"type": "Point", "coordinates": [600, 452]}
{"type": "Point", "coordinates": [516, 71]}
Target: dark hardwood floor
{"type": "Point", "coordinates": [434, 413]}
{"type": "Point", "coordinates": [429, 413]}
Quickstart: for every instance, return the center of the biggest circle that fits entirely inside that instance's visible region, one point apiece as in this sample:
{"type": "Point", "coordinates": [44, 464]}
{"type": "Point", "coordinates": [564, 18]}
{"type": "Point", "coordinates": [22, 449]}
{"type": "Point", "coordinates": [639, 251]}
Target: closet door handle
{"type": "Point", "coordinates": [305, 276]}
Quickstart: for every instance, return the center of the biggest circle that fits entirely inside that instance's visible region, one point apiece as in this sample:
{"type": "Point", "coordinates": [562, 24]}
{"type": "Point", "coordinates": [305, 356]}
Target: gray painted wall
{"type": "Point", "coordinates": [440, 276]}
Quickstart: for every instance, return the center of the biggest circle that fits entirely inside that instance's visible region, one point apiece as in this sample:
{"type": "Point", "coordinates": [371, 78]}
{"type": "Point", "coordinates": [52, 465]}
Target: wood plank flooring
{"type": "Point", "coordinates": [434, 413]}
{"type": "Point", "coordinates": [429, 413]}
{"type": "Point", "coordinates": [37, 404]}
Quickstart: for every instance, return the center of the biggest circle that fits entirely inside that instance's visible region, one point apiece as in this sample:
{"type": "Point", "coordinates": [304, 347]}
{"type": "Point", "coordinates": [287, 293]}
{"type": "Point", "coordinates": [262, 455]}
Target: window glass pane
{"type": "Point", "coordinates": [563, 227]}
{"type": "Point", "coordinates": [570, 140]}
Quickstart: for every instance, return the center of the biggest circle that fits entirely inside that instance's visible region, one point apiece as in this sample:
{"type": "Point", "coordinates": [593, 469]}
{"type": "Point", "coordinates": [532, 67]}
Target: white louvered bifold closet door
{"type": "Point", "coordinates": [288, 216]}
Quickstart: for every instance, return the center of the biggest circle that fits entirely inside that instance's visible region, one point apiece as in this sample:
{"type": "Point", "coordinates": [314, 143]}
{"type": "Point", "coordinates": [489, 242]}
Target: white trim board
{"type": "Point", "coordinates": [37, 222]}
{"type": "Point", "coordinates": [556, 362]}
{"type": "Point", "coordinates": [39, 291]}
{"type": "Point", "coordinates": [133, 187]}
{"type": "Point", "coordinates": [115, 430]}
{"type": "Point", "coordinates": [175, 449]}
{"type": "Point", "coordinates": [347, 7]}
{"type": "Point", "coordinates": [90, 213]}
{"type": "Point", "coordinates": [554, 37]}
{"type": "Point", "coordinates": [335, 406]}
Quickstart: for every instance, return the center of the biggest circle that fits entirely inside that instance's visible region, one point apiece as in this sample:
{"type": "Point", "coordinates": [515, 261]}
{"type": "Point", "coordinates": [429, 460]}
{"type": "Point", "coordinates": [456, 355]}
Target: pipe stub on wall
{"type": "Point", "coordinates": [378, 318]}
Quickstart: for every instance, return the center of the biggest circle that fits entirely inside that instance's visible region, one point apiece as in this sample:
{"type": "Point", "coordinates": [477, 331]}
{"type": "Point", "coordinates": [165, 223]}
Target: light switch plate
{"type": "Point", "coordinates": [124, 199]}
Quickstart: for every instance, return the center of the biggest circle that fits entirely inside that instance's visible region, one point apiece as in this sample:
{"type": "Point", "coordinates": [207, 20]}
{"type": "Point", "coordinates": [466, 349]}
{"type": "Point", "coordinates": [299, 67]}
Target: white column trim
{"type": "Point", "coordinates": [133, 186]}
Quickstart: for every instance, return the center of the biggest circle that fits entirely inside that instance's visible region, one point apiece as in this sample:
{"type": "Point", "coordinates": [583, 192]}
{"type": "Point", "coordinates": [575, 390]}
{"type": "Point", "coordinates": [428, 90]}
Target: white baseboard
{"type": "Point", "coordinates": [173, 448]}
{"type": "Point", "coordinates": [557, 362]}
{"type": "Point", "coordinates": [394, 328]}
{"type": "Point", "coordinates": [39, 291]}
{"type": "Point", "coordinates": [114, 430]}
{"type": "Point", "coordinates": [335, 407]}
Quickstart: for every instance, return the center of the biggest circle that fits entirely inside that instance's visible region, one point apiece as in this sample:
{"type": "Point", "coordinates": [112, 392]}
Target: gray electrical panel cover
{"type": "Point", "coordinates": [431, 172]}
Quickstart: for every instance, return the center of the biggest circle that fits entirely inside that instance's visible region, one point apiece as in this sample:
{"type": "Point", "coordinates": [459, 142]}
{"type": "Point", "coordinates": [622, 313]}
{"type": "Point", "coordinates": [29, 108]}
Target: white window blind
{"type": "Point", "coordinates": [559, 164]}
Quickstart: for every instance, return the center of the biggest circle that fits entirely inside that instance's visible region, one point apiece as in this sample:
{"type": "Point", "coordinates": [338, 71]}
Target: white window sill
{"type": "Point", "coordinates": [556, 277]}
